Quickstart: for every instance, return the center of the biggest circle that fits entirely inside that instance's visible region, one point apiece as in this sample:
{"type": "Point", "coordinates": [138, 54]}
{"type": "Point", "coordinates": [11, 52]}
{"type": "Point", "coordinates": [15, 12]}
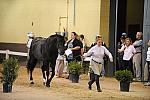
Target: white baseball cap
{"type": "Point", "coordinates": [124, 34]}
{"type": "Point", "coordinates": [30, 34]}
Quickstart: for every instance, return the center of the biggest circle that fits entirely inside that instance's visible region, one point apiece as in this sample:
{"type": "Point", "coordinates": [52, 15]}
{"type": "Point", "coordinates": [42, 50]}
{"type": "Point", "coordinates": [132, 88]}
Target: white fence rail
{"type": "Point", "coordinates": [8, 52]}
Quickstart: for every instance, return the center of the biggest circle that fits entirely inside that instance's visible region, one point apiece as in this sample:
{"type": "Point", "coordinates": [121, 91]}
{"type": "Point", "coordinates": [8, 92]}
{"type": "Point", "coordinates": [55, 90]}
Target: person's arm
{"type": "Point", "coordinates": [108, 54]}
{"type": "Point", "coordinates": [75, 48]}
{"type": "Point", "coordinates": [138, 43]}
{"type": "Point", "coordinates": [89, 53]}
{"type": "Point", "coordinates": [122, 49]}
{"type": "Point", "coordinates": [82, 51]}
{"type": "Point", "coordinates": [134, 50]}
{"type": "Point", "coordinates": [76, 44]}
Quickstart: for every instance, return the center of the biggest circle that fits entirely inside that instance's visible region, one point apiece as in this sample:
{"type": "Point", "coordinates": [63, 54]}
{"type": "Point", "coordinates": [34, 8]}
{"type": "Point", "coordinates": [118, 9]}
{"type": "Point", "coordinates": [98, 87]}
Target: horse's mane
{"type": "Point", "coordinates": [51, 43]}
{"type": "Point", "coordinates": [56, 35]}
{"type": "Point", "coordinates": [53, 38]}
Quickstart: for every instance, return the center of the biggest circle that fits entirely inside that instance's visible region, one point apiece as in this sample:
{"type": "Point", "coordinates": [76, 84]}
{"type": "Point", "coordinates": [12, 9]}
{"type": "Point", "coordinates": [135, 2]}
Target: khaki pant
{"type": "Point", "coordinates": [96, 68]}
{"type": "Point", "coordinates": [146, 72]}
{"type": "Point", "coordinates": [59, 67]}
{"type": "Point", "coordinates": [137, 65]}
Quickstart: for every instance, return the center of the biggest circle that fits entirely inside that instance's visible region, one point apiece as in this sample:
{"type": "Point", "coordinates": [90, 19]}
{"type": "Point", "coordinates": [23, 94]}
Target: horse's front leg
{"type": "Point", "coordinates": [31, 78]}
{"type": "Point", "coordinates": [30, 67]}
{"type": "Point", "coordinates": [45, 72]}
{"type": "Point", "coordinates": [52, 75]}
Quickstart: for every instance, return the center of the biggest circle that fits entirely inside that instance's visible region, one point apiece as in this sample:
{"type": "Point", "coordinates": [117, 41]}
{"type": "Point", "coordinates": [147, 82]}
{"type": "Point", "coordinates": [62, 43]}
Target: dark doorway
{"type": "Point", "coordinates": [132, 29]}
{"type": "Point", "coordinates": [129, 19]}
{"type": "Point", "coordinates": [125, 16]}
{"type": "Point", "coordinates": [121, 21]}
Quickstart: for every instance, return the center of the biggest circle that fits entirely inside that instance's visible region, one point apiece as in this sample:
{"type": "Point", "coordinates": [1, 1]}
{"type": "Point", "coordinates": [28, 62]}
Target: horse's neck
{"type": "Point", "coordinates": [50, 47]}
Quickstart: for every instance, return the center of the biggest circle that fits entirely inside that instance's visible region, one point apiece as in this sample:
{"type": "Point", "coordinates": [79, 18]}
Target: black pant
{"type": "Point", "coordinates": [120, 61]}
{"type": "Point", "coordinates": [93, 78]}
{"type": "Point", "coordinates": [127, 64]}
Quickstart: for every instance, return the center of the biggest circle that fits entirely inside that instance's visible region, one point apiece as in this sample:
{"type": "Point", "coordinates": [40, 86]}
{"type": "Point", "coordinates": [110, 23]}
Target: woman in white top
{"type": "Point", "coordinates": [129, 51]}
{"type": "Point", "coordinates": [97, 53]}
{"type": "Point", "coordinates": [148, 65]}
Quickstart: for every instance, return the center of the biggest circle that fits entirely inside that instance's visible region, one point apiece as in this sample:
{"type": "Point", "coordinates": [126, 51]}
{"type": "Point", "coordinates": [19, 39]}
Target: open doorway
{"type": "Point", "coordinates": [130, 17]}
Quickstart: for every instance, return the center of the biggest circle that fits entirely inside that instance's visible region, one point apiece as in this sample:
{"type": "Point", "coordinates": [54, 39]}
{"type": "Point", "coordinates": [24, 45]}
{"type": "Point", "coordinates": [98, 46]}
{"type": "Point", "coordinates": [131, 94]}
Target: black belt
{"type": "Point", "coordinates": [138, 52]}
{"type": "Point", "coordinates": [96, 61]}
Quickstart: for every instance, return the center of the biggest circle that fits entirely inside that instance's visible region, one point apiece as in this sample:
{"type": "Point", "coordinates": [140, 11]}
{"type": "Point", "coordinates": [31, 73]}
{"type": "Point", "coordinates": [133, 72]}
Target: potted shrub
{"type": "Point", "coordinates": [74, 71]}
{"type": "Point", "coordinates": [9, 72]}
{"type": "Point", "coordinates": [125, 77]}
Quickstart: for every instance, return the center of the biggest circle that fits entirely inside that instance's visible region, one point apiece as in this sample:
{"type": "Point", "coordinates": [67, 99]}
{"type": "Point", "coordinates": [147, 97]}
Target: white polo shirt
{"type": "Point", "coordinates": [128, 52]}
{"type": "Point", "coordinates": [97, 53]}
{"type": "Point", "coordinates": [148, 54]}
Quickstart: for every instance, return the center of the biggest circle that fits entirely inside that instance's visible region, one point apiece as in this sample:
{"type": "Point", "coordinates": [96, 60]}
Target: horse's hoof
{"type": "Point", "coordinates": [47, 85]}
{"type": "Point", "coordinates": [44, 83]}
{"type": "Point", "coordinates": [31, 82]}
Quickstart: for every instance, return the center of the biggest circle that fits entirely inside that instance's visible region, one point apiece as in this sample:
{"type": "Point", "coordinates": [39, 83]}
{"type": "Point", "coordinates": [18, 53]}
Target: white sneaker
{"type": "Point", "coordinates": [147, 84]}
{"type": "Point", "coordinates": [137, 79]}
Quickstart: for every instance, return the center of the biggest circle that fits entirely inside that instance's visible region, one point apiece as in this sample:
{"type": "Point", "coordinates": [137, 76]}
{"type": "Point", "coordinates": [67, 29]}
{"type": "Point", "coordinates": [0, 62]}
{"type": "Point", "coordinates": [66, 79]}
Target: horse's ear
{"type": "Point", "coordinates": [65, 34]}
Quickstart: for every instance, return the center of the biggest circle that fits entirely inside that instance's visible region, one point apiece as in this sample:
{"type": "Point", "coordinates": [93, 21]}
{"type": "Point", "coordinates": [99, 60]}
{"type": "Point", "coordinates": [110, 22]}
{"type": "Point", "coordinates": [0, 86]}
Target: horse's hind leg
{"type": "Point", "coordinates": [45, 71]}
{"type": "Point", "coordinates": [30, 66]}
{"type": "Point", "coordinates": [47, 74]}
{"type": "Point", "coordinates": [44, 74]}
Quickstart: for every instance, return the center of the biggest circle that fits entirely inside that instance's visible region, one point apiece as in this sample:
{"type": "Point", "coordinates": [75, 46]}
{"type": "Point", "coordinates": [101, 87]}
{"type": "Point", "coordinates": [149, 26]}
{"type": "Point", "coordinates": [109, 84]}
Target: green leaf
{"type": "Point", "coordinates": [10, 70]}
{"type": "Point", "coordinates": [124, 76]}
{"type": "Point", "coordinates": [75, 67]}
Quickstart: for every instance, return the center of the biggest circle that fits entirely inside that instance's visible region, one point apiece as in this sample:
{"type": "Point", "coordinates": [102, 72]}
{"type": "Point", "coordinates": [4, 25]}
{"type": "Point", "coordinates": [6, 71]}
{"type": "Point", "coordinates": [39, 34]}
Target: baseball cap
{"type": "Point", "coordinates": [30, 34]}
{"type": "Point", "coordinates": [124, 34]}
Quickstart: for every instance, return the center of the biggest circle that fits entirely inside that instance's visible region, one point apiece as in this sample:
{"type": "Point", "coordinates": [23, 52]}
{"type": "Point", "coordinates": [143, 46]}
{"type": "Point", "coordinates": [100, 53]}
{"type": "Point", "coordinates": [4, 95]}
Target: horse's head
{"type": "Point", "coordinates": [56, 43]}
{"type": "Point", "coordinates": [60, 44]}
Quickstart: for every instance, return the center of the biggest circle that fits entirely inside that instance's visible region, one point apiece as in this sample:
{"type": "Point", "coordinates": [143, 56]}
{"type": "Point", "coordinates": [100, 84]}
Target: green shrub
{"type": "Point", "coordinates": [124, 76]}
{"type": "Point", "coordinates": [9, 70]}
{"type": "Point", "coordinates": [75, 67]}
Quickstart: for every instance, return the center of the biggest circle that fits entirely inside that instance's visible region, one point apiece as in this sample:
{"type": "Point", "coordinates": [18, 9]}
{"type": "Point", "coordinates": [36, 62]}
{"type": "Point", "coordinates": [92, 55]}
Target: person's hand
{"type": "Point", "coordinates": [83, 57]}
{"type": "Point", "coordinates": [119, 50]}
{"type": "Point", "coordinates": [111, 59]}
{"type": "Point", "coordinates": [71, 49]}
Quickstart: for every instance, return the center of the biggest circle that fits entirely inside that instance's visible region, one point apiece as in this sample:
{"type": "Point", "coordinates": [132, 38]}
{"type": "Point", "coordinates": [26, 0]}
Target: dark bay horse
{"type": "Point", "coordinates": [46, 51]}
